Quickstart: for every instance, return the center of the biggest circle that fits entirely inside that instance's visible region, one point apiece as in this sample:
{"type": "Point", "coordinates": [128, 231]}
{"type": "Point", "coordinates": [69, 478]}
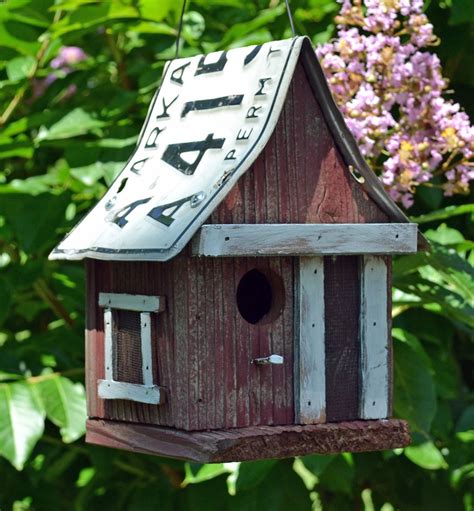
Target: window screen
{"type": "Point", "coordinates": [127, 350]}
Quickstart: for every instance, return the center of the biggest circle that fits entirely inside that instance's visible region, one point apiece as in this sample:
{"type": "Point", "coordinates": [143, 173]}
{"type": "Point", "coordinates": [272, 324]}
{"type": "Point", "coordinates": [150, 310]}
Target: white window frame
{"type": "Point", "coordinates": [109, 388]}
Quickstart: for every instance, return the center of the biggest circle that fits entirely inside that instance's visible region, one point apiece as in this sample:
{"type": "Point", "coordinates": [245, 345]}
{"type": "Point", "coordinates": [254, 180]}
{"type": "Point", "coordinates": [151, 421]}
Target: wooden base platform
{"type": "Point", "coordinates": [250, 443]}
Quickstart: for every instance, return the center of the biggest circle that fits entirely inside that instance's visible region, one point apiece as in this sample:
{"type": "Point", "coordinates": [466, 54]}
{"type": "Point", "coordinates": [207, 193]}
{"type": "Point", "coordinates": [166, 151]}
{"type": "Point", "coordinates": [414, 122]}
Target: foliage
{"type": "Point", "coordinates": [76, 77]}
{"type": "Point", "coordinates": [391, 93]}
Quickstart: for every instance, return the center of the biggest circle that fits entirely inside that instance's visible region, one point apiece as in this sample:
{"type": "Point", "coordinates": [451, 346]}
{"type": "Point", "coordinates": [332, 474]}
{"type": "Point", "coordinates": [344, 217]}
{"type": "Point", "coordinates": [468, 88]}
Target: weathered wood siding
{"type": "Point", "coordinates": [300, 177]}
{"type": "Point", "coordinates": [202, 347]}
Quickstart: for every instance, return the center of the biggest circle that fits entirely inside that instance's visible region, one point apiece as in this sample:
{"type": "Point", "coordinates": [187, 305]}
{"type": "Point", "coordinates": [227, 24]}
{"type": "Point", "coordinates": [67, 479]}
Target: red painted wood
{"type": "Point", "coordinates": [250, 443]}
{"type": "Point", "coordinates": [94, 344]}
{"type": "Point", "coordinates": [300, 176]}
{"type": "Point", "coordinates": [203, 348]}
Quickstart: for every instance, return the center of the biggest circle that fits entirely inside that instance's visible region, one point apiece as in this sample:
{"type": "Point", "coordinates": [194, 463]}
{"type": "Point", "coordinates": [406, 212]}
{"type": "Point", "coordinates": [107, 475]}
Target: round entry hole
{"type": "Point", "coordinates": [259, 296]}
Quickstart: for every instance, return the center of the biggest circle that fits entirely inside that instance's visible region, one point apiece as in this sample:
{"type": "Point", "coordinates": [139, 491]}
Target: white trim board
{"type": "Point", "coordinates": [145, 337]}
{"type": "Point", "coordinates": [150, 394]}
{"type": "Point", "coordinates": [108, 344]}
{"type": "Point", "coordinates": [233, 240]}
{"type": "Point", "coordinates": [311, 370]}
{"type": "Point", "coordinates": [138, 303]}
{"type": "Point", "coordinates": [374, 337]}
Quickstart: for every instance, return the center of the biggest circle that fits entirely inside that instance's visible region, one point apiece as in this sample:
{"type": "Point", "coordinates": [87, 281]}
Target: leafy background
{"type": "Point", "coordinates": [59, 150]}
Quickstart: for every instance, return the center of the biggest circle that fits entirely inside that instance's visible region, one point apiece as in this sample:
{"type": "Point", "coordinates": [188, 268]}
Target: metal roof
{"type": "Point", "coordinates": [209, 120]}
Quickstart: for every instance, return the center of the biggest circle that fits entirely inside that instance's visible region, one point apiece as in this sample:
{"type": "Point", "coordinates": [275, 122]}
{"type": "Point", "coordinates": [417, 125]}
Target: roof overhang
{"type": "Point", "coordinates": [208, 122]}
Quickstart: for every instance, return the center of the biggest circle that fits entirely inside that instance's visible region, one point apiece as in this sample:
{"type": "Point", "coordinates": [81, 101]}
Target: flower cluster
{"type": "Point", "coordinates": [390, 90]}
{"type": "Point", "coordinates": [64, 62]}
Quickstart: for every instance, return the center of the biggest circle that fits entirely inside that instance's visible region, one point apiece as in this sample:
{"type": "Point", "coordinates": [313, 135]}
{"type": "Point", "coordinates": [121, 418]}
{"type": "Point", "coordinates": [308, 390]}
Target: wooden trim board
{"type": "Point", "coordinates": [108, 345]}
{"type": "Point", "coordinates": [150, 394]}
{"type": "Point", "coordinates": [234, 240]}
{"type": "Point", "coordinates": [251, 443]}
{"type": "Point", "coordinates": [310, 374]}
{"type": "Point", "coordinates": [138, 303]}
{"type": "Point", "coordinates": [374, 338]}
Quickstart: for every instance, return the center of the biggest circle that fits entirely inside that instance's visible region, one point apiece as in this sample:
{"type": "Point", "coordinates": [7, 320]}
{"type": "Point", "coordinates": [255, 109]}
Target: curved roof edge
{"type": "Point", "coordinates": [210, 106]}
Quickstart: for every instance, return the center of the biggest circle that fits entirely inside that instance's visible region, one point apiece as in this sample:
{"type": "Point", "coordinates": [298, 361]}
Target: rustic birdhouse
{"type": "Point", "coordinates": [239, 271]}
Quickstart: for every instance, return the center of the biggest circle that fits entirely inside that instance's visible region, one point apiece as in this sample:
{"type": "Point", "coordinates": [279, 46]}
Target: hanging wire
{"type": "Point", "coordinates": [290, 17]}
{"type": "Point", "coordinates": [180, 28]}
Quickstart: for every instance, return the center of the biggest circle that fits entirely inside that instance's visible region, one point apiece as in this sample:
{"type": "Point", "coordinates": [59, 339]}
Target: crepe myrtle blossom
{"type": "Point", "coordinates": [64, 62]}
{"type": "Point", "coordinates": [390, 90]}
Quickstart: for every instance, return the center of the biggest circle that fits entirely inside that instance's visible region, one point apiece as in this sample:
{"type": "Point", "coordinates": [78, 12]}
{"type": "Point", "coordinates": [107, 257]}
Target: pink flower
{"type": "Point", "coordinates": [67, 56]}
{"type": "Point", "coordinates": [391, 92]}
{"type": "Point", "coordinates": [64, 62]}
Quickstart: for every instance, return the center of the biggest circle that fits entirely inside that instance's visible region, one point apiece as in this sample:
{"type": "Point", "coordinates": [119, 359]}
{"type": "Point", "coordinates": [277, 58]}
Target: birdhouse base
{"type": "Point", "coordinates": [251, 443]}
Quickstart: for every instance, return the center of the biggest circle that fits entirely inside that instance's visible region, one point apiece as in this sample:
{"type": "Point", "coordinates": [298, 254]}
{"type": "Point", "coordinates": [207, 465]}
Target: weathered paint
{"type": "Point", "coordinates": [374, 339]}
{"type": "Point", "coordinates": [150, 394]}
{"type": "Point", "coordinates": [300, 177]}
{"type": "Point", "coordinates": [237, 240]}
{"type": "Point", "coordinates": [183, 338]}
{"type": "Point", "coordinates": [139, 303]}
{"type": "Point", "coordinates": [310, 363]}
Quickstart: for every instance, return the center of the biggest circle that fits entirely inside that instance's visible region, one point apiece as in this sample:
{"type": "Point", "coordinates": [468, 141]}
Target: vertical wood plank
{"type": "Point", "coordinates": [218, 351]}
{"type": "Point", "coordinates": [311, 405]}
{"type": "Point", "coordinates": [145, 330]}
{"type": "Point", "coordinates": [94, 342]}
{"type": "Point", "coordinates": [243, 340]}
{"type": "Point", "coordinates": [229, 341]}
{"type": "Point", "coordinates": [181, 339]}
{"type": "Point", "coordinates": [388, 262]}
{"type": "Point", "coordinates": [374, 339]}
{"type": "Point", "coordinates": [108, 356]}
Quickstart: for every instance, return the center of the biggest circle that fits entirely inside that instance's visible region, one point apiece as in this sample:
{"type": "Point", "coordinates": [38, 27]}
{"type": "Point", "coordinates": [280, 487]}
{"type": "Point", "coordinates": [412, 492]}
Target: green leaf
{"type": "Point", "coordinates": [414, 388]}
{"type": "Point", "coordinates": [252, 473]}
{"type": "Point", "coordinates": [21, 422]}
{"type": "Point", "coordinates": [239, 30]}
{"type": "Point", "coordinates": [153, 10]}
{"type": "Point", "coordinates": [5, 298]}
{"type": "Point", "coordinates": [199, 473]}
{"type": "Point", "coordinates": [18, 148]}
{"type": "Point", "coordinates": [462, 475]}
{"type": "Point", "coordinates": [443, 214]}
{"type": "Point", "coordinates": [210, 495]}
{"type": "Point", "coordinates": [33, 218]}
{"type": "Point", "coordinates": [444, 235]}
{"type": "Point", "coordinates": [466, 421]}
{"type": "Point", "coordinates": [338, 477]}
{"type": "Point", "coordinates": [20, 68]}
{"type": "Point", "coordinates": [448, 303]}
{"type": "Point", "coordinates": [462, 12]}
{"type": "Point", "coordinates": [280, 490]}
{"type": "Point", "coordinates": [465, 425]}
{"type": "Point", "coordinates": [19, 37]}
{"type": "Point", "coordinates": [75, 123]}
{"type": "Point", "coordinates": [65, 406]}
{"type": "Point", "coordinates": [317, 464]}
{"type": "Point", "coordinates": [426, 455]}
{"type": "Point", "coordinates": [90, 174]}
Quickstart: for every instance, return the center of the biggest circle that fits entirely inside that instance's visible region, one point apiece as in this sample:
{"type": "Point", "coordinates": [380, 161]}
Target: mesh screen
{"type": "Point", "coordinates": [342, 309]}
{"type": "Point", "coordinates": [127, 347]}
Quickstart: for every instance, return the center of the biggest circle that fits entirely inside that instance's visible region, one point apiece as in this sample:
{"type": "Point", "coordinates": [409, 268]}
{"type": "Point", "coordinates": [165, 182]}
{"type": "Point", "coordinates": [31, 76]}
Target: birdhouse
{"type": "Point", "coordinates": [239, 271]}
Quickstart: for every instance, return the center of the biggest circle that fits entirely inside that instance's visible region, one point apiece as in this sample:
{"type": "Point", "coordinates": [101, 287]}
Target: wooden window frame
{"type": "Point", "coordinates": [108, 388]}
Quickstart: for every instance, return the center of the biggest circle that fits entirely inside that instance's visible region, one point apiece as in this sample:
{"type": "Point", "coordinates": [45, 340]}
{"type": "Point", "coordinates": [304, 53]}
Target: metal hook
{"type": "Point", "coordinates": [180, 28]}
{"type": "Point", "coordinates": [290, 17]}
